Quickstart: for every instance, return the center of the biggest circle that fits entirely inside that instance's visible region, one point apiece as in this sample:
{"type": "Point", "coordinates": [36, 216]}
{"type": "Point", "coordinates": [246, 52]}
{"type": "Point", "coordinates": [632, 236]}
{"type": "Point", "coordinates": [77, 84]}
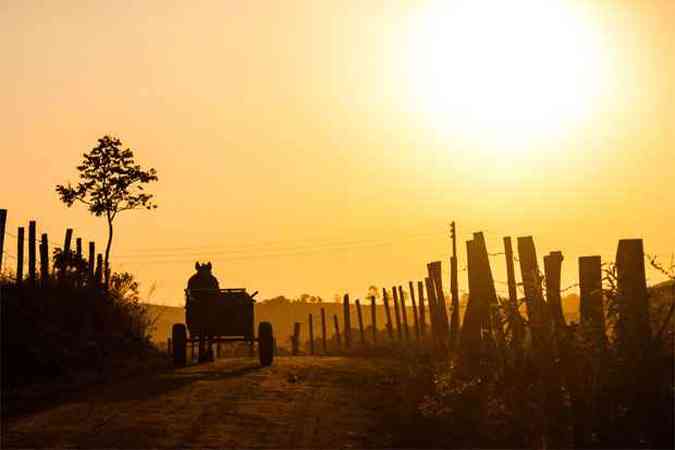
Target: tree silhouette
{"type": "Point", "coordinates": [110, 182]}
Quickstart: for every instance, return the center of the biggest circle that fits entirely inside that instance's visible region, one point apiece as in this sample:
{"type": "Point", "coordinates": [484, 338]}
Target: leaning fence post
{"type": "Point", "coordinates": [323, 329]}
{"type": "Point", "coordinates": [404, 314]}
{"type": "Point", "coordinates": [44, 259]}
{"type": "Point", "coordinates": [311, 334]}
{"type": "Point", "coordinates": [387, 312]}
{"type": "Point", "coordinates": [397, 311]}
{"type": "Point", "coordinates": [373, 318]}
{"type": "Point", "coordinates": [19, 254]}
{"type": "Point", "coordinates": [347, 321]}
{"type": "Point", "coordinates": [360, 317]}
{"type": "Point", "coordinates": [31, 252]}
{"type": "Point", "coordinates": [518, 331]}
{"type": "Point", "coordinates": [414, 307]}
{"type": "Point", "coordinates": [337, 331]}
{"type": "Point", "coordinates": [435, 273]}
{"type": "Point", "coordinates": [295, 339]}
{"type": "Point", "coordinates": [423, 319]}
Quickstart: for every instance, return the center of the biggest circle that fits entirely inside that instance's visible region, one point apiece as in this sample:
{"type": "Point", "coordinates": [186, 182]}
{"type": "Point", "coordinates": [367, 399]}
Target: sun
{"type": "Point", "coordinates": [501, 70]}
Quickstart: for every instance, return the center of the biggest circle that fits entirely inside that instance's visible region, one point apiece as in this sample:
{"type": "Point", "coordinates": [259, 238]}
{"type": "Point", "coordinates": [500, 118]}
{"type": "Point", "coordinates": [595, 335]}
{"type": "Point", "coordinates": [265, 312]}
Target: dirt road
{"type": "Point", "coordinates": [299, 402]}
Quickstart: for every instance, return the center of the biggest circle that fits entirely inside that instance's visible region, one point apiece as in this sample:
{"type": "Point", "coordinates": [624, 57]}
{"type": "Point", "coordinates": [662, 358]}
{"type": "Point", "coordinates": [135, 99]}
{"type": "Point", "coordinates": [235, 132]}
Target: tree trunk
{"type": "Point", "coordinates": [106, 265]}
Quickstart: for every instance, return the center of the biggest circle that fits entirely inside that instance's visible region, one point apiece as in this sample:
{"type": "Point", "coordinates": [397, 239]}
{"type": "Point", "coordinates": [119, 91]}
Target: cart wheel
{"type": "Point", "coordinates": [179, 342]}
{"type": "Point", "coordinates": [265, 343]}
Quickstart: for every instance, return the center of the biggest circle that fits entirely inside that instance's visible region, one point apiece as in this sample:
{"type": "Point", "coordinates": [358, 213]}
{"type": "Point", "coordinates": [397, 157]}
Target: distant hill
{"type": "Point", "coordinates": [283, 316]}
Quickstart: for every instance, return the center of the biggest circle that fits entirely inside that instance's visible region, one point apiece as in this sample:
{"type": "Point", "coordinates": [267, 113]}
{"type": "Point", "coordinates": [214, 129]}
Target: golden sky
{"type": "Point", "coordinates": [322, 146]}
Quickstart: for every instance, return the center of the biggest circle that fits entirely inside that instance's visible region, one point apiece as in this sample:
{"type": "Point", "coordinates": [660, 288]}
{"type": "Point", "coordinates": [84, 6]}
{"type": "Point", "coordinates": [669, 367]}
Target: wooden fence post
{"type": "Point", "coordinates": [98, 275]}
{"type": "Point", "coordinates": [414, 307]}
{"type": "Point", "coordinates": [433, 311]}
{"type": "Point", "coordinates": [337, 331]}
{"type": "Point", "coordinates": [534, 298]}
{"type": "Point", "coordinates": [78, 248]}
{"type": "Point", "coordinates": [397, 311]}
{"type": "Point", "coordinates": [66, 255]}
{"type": "Point", "coordinates": [552, 269]}
{"type": "Point", "coordinates": [44, 259]}
{"type": "Point", "coordinates": [19, 254]}
{"type": "Point", "coordinates": [67, 240]}
{"type": "Point", "coordinates": [404, 314]}
{"type": "Point", "coordinates": [31, 252]}
{"type": "Point", "coordinates": [311, 334]}
{"type": "Point", "coordinates": [632, 299]}
{"type": "Point", "coordinates": [435, 273]}
{"type": "Point", "coordinates": [373, 318]}
{"type": "Point", "coordinates": [517, 326]}
{"type": "Point", "coordinates": [590, 294]}
{"type": "Point", "coordinates": [295, 339]}
{"type": "Point", "coordinates": [471, 338]}
{"type": "Point", "coordinates": [347, 321]}
{"type": "Point", "coordinates": [323, 330]}
{"type": "Point", "coordinates": [387, 312]}
{"type": "Point", "coordinates": [423, 319]}
{"type": "Point", "coordinates": [92, 261]}
{"type": "Point", "coordinates": [454, 292]}
{"type": "Point", "coordinates": [360, 317]}
{"type": "Point", "coordinates": [3, 222]}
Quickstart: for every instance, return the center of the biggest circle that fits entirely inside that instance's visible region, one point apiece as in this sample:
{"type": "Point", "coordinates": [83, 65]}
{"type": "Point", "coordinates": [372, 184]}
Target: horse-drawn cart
{"type": "Point", "coordinates": [219, 315]}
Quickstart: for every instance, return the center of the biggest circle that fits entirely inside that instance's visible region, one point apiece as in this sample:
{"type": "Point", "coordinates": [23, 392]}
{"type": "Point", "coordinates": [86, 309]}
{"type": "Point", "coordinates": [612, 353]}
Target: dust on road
{"type": "Point", "coordinates": [301, 402]}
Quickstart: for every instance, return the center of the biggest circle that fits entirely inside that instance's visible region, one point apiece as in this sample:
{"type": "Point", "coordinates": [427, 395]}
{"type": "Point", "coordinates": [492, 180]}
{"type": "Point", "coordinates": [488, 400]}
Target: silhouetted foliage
{"type": "Point", "coordinates": [63, 327]}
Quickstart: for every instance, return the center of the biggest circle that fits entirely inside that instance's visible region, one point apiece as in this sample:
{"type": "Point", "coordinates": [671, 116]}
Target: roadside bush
{"type": "Point", "coordinates": [61, 327]}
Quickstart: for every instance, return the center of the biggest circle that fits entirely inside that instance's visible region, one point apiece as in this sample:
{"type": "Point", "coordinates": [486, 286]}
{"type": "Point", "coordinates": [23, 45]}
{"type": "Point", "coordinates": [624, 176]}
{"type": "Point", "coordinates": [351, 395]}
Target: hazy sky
{"type": "Point", "coordinates": [297, 151]}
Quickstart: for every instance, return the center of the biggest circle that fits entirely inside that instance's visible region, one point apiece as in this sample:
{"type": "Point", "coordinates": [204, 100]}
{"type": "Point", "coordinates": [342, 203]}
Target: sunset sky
{"type": "Point", "coordinates": [321, 146]}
